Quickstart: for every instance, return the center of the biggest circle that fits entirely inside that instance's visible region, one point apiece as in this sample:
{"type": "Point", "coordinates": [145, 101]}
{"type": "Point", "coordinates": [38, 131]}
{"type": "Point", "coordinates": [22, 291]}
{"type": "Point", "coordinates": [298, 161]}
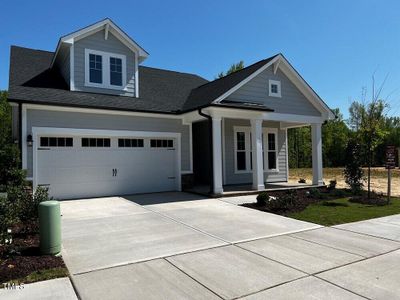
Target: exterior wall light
{"type": "Point", "coordinates": [29, 140]}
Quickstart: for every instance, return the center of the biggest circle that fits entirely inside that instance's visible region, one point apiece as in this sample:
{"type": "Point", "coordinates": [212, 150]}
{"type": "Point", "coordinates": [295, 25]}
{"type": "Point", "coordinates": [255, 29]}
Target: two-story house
{"type": "Point", "coordinates": [92, 121]}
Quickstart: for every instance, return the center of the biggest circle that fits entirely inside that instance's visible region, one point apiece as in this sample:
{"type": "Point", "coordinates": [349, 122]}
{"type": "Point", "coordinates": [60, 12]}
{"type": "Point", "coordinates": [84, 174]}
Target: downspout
{"type": "Point", "coordinates": [210, 141]}
{"type": "Point", "coordinates": [20, 132]}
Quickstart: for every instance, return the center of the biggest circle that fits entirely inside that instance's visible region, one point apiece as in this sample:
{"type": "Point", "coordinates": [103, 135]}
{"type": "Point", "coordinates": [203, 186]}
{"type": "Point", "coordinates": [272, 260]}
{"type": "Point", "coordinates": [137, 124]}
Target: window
{"type": "Point", "coordinates": [274, 88]}
{"type": "Point", "coordinates": [243, 149]}
{"type": "Point", "coordinates": [95, 68]}
{"type": "Point", "coordinates": [271, 143]}
{"type": "Point", "coordinates": [115, 71]}
{"type": "Point", "coordinates": [56, 142]}
{"type": "Point", "coordinates": [130, 143]}
{"type": "Point", "coordinates": [158, 143]}
{"type": "Point", "coordinates": [243, 155]}
{"type": "Point", "coordinates": [96, 142]}
{"type": "Point", "coordinates": [105, 70]}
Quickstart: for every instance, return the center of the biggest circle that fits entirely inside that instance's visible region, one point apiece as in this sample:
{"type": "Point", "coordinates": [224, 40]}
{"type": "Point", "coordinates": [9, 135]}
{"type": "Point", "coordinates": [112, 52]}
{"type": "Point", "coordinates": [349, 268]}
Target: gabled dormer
{"type": "Point", "coordinates": [100, 58]}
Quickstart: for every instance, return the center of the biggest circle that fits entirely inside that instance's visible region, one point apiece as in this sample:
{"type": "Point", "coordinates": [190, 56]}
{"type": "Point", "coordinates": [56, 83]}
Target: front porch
{"type": "Point", "coordinates": [248, 152]}
{"type": "Point", "coordinates": [247, 189]}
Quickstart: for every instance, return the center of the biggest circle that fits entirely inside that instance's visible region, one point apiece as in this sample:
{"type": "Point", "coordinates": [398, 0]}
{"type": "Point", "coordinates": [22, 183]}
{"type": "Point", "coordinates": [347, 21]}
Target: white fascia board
{"type": "Point", "coordinates": [89, 30]}
{"type": "Point", "coordinates": [100, 132]}
{"type": "Point", "coordinates": [101, 111]}
{"type": "Point", "coordinates": [305, 88]}
{"type": "Point", "coordinates": [246, 80]}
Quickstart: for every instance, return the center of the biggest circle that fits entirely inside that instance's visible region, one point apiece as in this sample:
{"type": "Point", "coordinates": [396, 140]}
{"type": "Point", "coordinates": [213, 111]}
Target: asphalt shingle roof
{"type": "Point", "coordinates": [32, 81]}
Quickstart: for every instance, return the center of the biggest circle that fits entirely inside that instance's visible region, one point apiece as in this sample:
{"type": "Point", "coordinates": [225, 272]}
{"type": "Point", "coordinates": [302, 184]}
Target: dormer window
{"type": "Point", "coordinates": [105, 70]}
{"type": "Point", "coordinates": [274, 88]}
{"type": "Point", "coordinates": [95, 68]}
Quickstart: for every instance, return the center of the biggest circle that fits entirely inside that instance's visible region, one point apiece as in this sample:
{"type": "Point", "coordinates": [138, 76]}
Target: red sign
{"type": "Point", "coordinates": [390, 157]}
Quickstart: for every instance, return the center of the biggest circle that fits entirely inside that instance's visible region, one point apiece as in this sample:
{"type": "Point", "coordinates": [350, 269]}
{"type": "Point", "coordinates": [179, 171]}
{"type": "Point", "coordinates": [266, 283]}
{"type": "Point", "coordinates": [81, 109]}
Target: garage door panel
{"type": "Point", "coordinates": [76, 172]}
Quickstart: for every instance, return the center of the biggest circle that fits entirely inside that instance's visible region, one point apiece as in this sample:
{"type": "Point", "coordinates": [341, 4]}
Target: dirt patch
{"type": "Point", "coordinates": [378, 178]}
{"type": "Point", "coordinates": [23, 257]}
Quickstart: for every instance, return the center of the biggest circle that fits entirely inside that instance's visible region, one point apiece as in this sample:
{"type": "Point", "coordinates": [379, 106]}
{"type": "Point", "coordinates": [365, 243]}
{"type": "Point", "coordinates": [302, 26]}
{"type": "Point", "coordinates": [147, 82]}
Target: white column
{"type": "Point", "coordinates": [316, 138]}
{"type": "Point", "coordinates": [217, 155]}
{"type": "Point", "coordinates": [257, 159]}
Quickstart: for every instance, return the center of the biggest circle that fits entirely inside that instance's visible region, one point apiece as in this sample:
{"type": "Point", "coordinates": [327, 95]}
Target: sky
{"type": "Point", "coordinates": [337, 46]}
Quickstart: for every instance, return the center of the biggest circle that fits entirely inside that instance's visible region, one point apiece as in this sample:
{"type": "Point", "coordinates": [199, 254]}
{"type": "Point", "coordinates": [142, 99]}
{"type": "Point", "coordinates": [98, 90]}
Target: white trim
{"type": "Point", "coordinates": [287, 155]}
{"type": "Point", "coordinates": [105, 70]}
{"type": "Point", "coordinates": [266, 150]}
{"type": "Point", "coordinates": [24, 146]}
{"type": "Point", "coordinates": [72, 67]}
{"type": "Point", "coordinates": [278, 84]}
{"type": "Point", "coordinates": [101, 111]}
{"type": "Point", "coordinates": [276, 66]}
{"type": "Point", "coordinates": [247, 131]}
{"type": "Point", "coordinates": [223, 153]}
{"type": "Point", "coordinates": [89, 30]}
{"type": "Point", "coordinates": [243, 82]}
{"type": "Point", "coordinates": [257, 154]}
{"type": "Point", "coordinates": [136, 76]}
{"type": "Point", "coordinates": [294, 77]}
{"type": "Point", "coordinates": [217, 155]}
{"type": "Point", "coordinates": [106, 30]}
{"type": "Point", "coordinates": [36, 131]}
{"type": "Point", "coordinates": [235, 113]}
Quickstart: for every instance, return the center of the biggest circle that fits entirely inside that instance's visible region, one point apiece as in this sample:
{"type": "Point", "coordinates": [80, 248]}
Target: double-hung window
{"type": "Point", "coordinates": [105, 70]}
{"type": "Point", "coordinates": [243, 149]}
{"type": "Point", "coordinates": [270, 137]}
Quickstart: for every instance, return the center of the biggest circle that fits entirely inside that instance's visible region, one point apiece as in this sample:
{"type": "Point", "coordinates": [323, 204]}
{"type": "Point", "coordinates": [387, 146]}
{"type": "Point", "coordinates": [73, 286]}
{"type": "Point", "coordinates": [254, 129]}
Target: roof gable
{"type": "Point", "coordinates": [109, 27]}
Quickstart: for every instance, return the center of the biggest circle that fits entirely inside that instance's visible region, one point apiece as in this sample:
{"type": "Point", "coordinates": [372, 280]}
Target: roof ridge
{"type": "Point", "coordinates": [32, 49]}
{"type": "Point", "coordinates": [173, 71]}
{"type": "Point", "coordinates": [238, 71]}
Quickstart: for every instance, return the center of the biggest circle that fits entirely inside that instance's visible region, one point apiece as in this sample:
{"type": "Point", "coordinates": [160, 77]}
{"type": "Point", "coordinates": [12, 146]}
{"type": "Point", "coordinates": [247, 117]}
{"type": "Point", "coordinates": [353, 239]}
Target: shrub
{"type": "Point", "coordinates": [315, 193]}
{"type": "Point", "coordinates": [10, 173]}
{"type": "Point", "coordinates": [339, 193]}
{"type": "Point", "coordinates": [8, 217]}
{"type": "Point", "coordinates": [353, 172]}
{"type": "Point", "coordinates": [332, 185]}
{"type": "Point", "coordinates": [283, 202]}
{"type": "Point", "coordinates": [262, 198]}
{"type": "Point", "coordinates": [302, 180]}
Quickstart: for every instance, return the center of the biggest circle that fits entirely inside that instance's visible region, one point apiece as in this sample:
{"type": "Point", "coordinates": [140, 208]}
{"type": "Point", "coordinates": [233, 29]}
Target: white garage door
{"type": "Point", "coordinates": [91, 166]}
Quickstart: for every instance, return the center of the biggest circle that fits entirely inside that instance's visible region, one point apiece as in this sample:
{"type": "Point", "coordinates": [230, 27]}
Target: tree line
{"type": "Point", "coordinates": [336, 134]}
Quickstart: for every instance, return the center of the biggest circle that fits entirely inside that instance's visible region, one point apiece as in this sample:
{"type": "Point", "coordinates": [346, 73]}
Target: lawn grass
{"type": "Point", "coordinates": [41, 275]}
{"type": "Point", "coordinates": [334, 212]}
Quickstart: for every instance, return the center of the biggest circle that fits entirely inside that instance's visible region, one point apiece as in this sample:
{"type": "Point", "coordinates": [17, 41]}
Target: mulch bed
{"type": "Point", "coordinates": [23, 256]}
{"type": "Point", "coordinates": [303, 199]}
{"type": "Point", "coordinates": [378, 200]}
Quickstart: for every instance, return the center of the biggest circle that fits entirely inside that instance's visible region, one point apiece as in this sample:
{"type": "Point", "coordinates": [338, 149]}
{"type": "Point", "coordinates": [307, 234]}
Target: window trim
{"type": "Point", "coordinates": [266, 150]}
{"type": "Point", "coordinates": [248, 147]}
{"type": "Point", "coordinates": [106, 70]}
{"type": "Point", "coordinates": [247, 132]}
{"type": "Point", "coordinates": [274, 82]}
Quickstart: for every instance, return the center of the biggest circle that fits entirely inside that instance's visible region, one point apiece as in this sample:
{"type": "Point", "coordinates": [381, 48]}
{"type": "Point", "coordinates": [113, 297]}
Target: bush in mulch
{"type": "Point", "coordinates": [282, 202]}
{"type": "Point", "coordinates": [22, 257]}
{"type": "Point", "coordinates": [375, 199]}
{"type": "Point", "coordinates": [285, 202]}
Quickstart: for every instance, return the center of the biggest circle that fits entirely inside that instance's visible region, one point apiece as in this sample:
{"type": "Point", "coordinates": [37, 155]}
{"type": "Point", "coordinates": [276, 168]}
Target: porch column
{"type": "Point", "coordinates": [257, 159]}
{"type": "Point", "coordinates": [217, 155]}
{"type": "Point", "coordinates": [316, 138]}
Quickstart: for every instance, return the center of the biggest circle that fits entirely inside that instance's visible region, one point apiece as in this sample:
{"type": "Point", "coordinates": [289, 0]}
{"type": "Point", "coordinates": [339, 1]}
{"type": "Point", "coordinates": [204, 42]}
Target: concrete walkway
{"type": "Point", "coordinates": [183, 246]}
{"type": "Point", "coordinates": [60, 289]}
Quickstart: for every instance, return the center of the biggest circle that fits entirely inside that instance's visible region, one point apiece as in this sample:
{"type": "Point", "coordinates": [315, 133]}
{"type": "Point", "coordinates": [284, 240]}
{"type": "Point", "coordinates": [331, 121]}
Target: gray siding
{"type": "Point", "coordinates": [63, 63]}
{"type": "Point", "coordinates": [229, 154]}
{"type": "Point", "coordinates": [42, 118]}
{"type": "Point", "coordinates": [291, 102]}
{"type": "Point", "coordinates": [113, 45]}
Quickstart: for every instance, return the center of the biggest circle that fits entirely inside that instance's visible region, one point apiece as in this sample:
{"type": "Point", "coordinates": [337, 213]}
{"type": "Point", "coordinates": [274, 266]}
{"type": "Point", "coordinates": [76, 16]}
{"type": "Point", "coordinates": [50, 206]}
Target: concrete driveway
{"type": "Point", "coordinates": [184, 246]}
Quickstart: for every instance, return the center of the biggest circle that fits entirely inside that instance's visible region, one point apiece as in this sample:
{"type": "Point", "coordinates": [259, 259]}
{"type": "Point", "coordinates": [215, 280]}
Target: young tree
{"type": "Point", "coordinates": [234, 67]}
{"type": "Point", "coordinates": [353, 172]}
{"type": "Point", "coordinates": [367, 118]}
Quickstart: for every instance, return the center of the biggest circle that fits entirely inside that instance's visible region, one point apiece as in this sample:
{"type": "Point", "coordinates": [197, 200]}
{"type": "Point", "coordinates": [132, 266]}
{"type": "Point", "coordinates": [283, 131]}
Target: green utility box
{"type": "Point", "coordinates": [50, 227]}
